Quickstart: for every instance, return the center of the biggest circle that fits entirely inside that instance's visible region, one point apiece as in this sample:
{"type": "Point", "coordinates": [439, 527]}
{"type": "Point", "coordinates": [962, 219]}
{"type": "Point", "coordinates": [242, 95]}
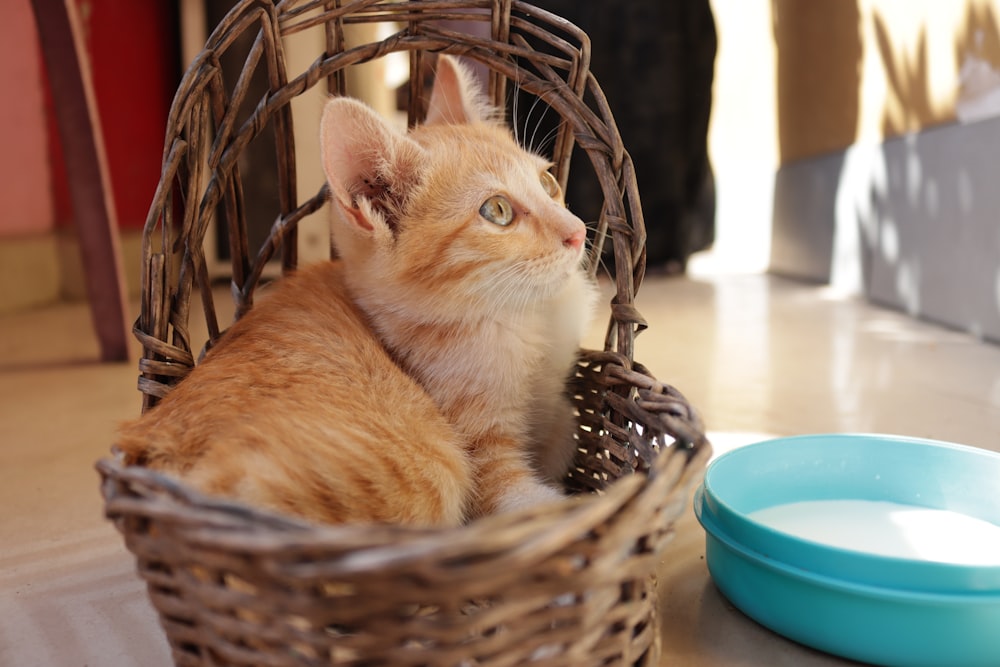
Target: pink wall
{"type": "Point", "coordinates": [25, 184]}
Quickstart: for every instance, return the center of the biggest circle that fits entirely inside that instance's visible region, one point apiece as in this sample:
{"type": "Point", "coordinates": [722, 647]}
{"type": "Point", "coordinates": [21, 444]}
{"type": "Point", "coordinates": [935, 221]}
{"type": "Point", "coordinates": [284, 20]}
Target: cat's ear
{"type": "Point", "coordinates": [370, 166]}
{"type": "Point", "coordinates": [457, 97]}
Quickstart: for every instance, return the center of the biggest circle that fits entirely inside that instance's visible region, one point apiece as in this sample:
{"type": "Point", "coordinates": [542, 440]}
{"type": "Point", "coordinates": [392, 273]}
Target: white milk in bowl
{"type": "Point", "coordinates": [888, 529]}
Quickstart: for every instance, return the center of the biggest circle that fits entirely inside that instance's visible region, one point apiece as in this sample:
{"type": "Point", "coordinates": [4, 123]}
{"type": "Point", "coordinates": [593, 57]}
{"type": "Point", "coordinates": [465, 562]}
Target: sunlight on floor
{"type": "Point", "coordinates": [726, 441]}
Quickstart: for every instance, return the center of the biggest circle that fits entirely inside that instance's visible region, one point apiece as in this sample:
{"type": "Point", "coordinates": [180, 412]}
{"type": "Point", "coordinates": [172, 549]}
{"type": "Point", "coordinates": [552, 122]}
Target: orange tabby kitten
{"type": "Point", "coordinates": [420, 379]}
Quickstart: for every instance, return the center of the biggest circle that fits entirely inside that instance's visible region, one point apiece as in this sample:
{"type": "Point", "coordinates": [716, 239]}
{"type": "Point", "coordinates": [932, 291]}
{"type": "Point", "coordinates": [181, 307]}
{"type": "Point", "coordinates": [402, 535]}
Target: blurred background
{"type": "Point", "coordinates": [835, 141]}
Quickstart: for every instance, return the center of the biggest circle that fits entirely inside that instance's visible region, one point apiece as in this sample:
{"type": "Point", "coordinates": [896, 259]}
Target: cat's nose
{"type": "Point", "coordinates": [576, 239]}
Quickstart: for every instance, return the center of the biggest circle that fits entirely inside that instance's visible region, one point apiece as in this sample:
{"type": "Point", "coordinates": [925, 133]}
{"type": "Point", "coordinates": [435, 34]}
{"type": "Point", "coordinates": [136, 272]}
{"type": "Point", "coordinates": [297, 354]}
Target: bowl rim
{"type": "Point", "coordinates": [883, 572]}
{"type": "Point", "coordinates": [837, 584]}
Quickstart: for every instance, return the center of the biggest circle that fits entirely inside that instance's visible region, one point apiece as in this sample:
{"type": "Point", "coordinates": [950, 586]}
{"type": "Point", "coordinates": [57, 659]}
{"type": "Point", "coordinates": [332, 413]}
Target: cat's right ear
{"type": "Point", "coordinates": [370, 167]}
{"type": "Point", "coordinates": [457, 97]}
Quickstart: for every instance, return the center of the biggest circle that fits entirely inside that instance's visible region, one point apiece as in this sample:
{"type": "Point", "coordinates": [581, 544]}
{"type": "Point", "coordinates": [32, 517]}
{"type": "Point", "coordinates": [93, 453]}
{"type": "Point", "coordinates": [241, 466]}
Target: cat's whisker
{"type": "Point", "coordinates": [589, 244]}
{"type": "Point", "coordinates": [527, 124]}
{"type": "Point", "coordinates": [527, 119]}
{"type": "Point", "coordinates": [604, 266]}
{"type": "Point", "coordinates": [534, 147]}
{"type": "Point", "coordinates": [523, 139]}
{"type": "Point", "coordinates": [513, 104]}
{"type": "Point", "coordinates": [547, 140]}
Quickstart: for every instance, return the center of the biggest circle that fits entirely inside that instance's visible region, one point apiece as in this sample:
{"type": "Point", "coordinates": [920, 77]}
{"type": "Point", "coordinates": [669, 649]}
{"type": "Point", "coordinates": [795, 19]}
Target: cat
{"type": "Point", "coordinates": [421, 377]}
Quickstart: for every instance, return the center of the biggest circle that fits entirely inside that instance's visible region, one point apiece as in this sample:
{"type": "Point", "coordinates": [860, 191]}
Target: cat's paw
{"type": "Point", "coordinates": [528, 494]}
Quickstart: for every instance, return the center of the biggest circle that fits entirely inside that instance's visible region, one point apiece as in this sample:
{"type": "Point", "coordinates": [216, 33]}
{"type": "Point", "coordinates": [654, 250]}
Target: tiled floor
{"type": "Point", "coordinates": [757, 355]}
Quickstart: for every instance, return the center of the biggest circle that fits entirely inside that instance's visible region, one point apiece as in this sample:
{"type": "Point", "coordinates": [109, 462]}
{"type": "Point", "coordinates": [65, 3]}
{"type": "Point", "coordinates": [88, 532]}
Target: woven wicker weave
{"type": "Point", "coordinates": [571, 584]}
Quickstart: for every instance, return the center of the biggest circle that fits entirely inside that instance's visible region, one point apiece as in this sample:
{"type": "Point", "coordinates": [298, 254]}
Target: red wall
{"type": "Point", "coordinates": [25, 188]}
{"type": "Point", "coordinates": [134, 51]}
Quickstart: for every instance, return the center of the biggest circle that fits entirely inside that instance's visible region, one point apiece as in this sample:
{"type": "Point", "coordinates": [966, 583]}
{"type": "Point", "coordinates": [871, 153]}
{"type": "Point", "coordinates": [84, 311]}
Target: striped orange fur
{"type": "Point", "coordinates": [420, 378]}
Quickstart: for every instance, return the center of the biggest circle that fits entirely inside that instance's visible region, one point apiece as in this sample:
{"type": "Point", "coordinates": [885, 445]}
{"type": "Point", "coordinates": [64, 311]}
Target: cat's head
{"type": "Point", "coordinates": [453, 212]}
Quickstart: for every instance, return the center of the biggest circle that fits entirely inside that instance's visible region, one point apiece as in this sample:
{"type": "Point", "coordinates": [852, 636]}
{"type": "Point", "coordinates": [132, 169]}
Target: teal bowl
{"type": "Point", "coordinates": [863, 598]}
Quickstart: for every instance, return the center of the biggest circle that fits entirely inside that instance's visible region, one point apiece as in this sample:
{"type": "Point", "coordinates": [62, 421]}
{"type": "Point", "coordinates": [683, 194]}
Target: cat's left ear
{"type": "Point", "coordinates": [457, 97]}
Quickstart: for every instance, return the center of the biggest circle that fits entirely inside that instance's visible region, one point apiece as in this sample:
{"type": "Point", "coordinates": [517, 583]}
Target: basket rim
{"type": "Point", "coordinates": [539, 530]}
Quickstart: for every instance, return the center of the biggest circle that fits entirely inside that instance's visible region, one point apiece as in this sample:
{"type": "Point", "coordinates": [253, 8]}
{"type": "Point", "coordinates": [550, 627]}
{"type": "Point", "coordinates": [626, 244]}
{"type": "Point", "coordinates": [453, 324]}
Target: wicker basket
{"type": "Point", "coordinates": [570, 584]}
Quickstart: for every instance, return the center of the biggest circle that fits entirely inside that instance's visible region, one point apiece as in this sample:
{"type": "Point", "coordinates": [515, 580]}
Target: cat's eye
{"type": "Point", "coordinates": [550, 184]}
{"type": "Point", "coordinates": [498, 210]}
